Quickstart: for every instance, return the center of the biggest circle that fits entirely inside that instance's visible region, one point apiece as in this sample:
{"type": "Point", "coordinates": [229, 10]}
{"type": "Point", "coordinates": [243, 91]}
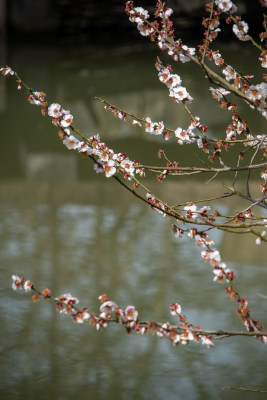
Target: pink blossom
{"type": "Point", "coordinates": [17, 282]}
{"type": "Point", "coordinates": [241, 30]}
{"type": "Point", "coordinates": [128, 167]}
{"type": "Point", "coordinates": [145, 30]}
{"type": "Point", "coordinates": [206, 340]}
{"type": "Point", "coordinates": [226, 6]}
{"type": "Point", "coordinates": [6, 71]}
{"type": "Point", "coordinates": [99, 167]}
{"type": "Point", "coordinates": [109, 168]}
{"type": "Point", "coordinates": [180, 94]}
{"type": "Point", "coordinates": [217, 58]}
{"type": "Point", "coordinates": [263, 61]}
{"type": "Point", "coordinates": [108, 306]}
{"type": "Point", "coordinates": [131, 313]}
{"type": "Point", "coordinates": [219, 93]}
{"type": "Point", "coordinates": [184, 136]}
{"type": "Point", "coordinates": [54, 110]}
{"type": "Point", "coordinates": [66, 120]}
{"type": "Point", "coordinates": [135, 122]}
{"type": "Point", "coordinates": [229, 73]}
{"type": "Point", "coordinates": [175, 309]}
{"type": "Point", "coordinates": [28, 286]}
{"type": "Point", "coordinates": [71, 142]}
{"type": "Point", "coordinates": [191, 208]}
{"type": "Point", "coordinates": [167, 13]}
{"type": "Point", "coordinates": [177, 231]}
{"type": "Point", "coordinates": [138, 15]}
{"type": "Point", "coordinates": [37, 98]}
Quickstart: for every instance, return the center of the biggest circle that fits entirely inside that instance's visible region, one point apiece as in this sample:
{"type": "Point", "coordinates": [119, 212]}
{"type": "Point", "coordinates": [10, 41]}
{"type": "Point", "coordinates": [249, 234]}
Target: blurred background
{"type": "Point", "coordinates": [69, 229]}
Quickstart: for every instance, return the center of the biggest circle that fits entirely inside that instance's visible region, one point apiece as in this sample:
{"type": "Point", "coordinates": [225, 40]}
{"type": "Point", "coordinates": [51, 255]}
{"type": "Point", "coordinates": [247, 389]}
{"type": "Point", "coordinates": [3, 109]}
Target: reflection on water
{"type": "Point", "coordinates": [69, 230]}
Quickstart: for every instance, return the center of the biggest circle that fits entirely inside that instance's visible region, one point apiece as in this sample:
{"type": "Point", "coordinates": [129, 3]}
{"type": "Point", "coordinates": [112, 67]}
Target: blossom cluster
{"type": "Point", "coordinates": [173, 81]}
{"type": "Point", "coordinates": [223, 275]}
{"type": "Point", "coordinates": [128, 317]}
{"type": "Point", "coordinates": [117, 113]}
{"type": "Point", "coordinates": [38, 99]}
{"type": "Point", "coordinates": [237, 127]}
{"type": "Point", "coordinates": [106, 160]}
{"type": "Point", "coordinates": [20, 283]}
{"type": "Point", "coordinates": [156, 205]}
{"type": "Point", "coordinates": [212, 25]}
{"type": "Point", "coordinates": [60, 117]}
{"type": "Point", "coordinates": [184, 136]}
{"type": "Point", "coordinates": [258, 93]}
{"type": "Point", "coordinates": [163, 37]}
{"type": "Point", "coordinates": [240, 29]}
{"type": "Point", "coordinates": [189, 331]}
{"type": "Point", "coordinates": [213, 257]}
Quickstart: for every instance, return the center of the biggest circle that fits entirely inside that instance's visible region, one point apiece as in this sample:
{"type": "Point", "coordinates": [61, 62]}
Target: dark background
{"type": "Point", "coordinates": [94, 21]}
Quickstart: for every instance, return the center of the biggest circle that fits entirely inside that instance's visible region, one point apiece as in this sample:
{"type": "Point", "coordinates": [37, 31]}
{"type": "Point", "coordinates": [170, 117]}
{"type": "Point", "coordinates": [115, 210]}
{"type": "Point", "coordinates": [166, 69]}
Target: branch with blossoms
{"type": "Point", "coordinates": [183, 334]}
{"type": "Point", "coordinates": [188, 218]}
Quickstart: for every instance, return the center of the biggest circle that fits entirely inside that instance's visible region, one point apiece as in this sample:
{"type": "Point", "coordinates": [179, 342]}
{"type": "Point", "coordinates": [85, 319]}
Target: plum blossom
{"type": "Point", "coordinates": [37, 98]}
{"type": "Point", "coordinates": [177, 92]}
{"type": "Point", "coordinates": [170, 80]}
{"type": "Point", "coordinates": [177, 231]}
{"type": "Point", "coordinates": [226, 6]}
{"type": "Point", "coordinates": [219, 93]}
{"type": "Point", "coordinates": [65, 303]}
{"type": "Point", "coordinates": [191, 209]}
{"type": "Point", "coordinates": [258, 93]}
{"type": "Point", "coordinates": [180, 95]}
{"type": "Point", "coordinates": [135, 122]}
{"type": "Point", "coordinates": [183, 55]}
{"type": "Point", "coordinates": [175, 309]}
{"type": "Point", "coordinates": [99, 167]}
{"type": "Point", "coordinates": [229, 73]}
{"type": "Point", "coordinates": [17, 282]}
{"type": "Point", "coordinates": [186, 336]}
{"type": "Point", "coordinates": [139, 15]}
{"type": "Point", "coordinates": [66, 120]}
{"type": "Point", "coordinates": [54, 110]}
{"type": "Point", "coordinates": [109, 168]}
{"type": "Point", "coordinates": [206, 340]}
{"type": "Point", "coordinates": [28, 286]}
{"type": "Point", "coordinates": [128, 167]}
{"type": "Point", "coordinates": [212, 256]}
{"type": "Point", "coordinates": [81, 316]}
{"type": "Point", "coordinates": [241, 30]}
{"type": "Point", "coordinates": [155, 128]}
{"type": "Point", "coordinates": [108, 307]}
{"type": "Point", "coordinates": [259, 239]}
{"type": "Point", "coordinates": [263, 61]}
{"type": "Point", "coordinates": [6, 71]}
{"type": "Point", "coordinates": [131, 313]}
{"type": "Point", "coordinates": [71, 142]}
{"type": "Point", "coordinates": [167, 13]}
{"type": "Point", "coordinates": [184, 136]}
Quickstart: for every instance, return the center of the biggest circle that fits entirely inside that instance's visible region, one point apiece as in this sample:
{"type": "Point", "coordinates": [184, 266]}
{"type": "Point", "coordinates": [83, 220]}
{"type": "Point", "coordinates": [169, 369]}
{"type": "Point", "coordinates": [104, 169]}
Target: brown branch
{"type": "Point", "coordinates": [201, 169]}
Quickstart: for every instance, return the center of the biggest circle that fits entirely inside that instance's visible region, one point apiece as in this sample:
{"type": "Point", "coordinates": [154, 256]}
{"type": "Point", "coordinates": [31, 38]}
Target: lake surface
{"type": "Point", "coordinates": [66, 228]}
